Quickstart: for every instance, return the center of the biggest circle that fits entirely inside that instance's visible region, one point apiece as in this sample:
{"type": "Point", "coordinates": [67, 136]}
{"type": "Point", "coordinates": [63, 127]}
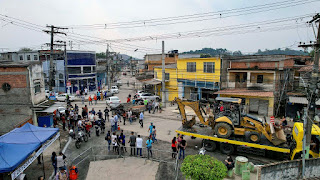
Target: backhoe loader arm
{"type": "Point", "coordinates": [196, 108]}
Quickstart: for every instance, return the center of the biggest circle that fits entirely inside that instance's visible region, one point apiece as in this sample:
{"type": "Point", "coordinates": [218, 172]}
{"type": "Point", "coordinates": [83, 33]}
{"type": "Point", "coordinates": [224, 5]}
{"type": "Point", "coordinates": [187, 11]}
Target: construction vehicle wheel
{"type": "Point", "coordinates": [254, 137]}
{"type": "Point", "coordinates": [223, 130]}
{"type": "Point", "coordinates": [226, 148]}
{"type": "Point", "coordinates": [209, 145]}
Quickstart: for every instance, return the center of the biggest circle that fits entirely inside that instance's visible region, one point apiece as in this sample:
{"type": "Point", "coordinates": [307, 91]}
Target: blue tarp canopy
{"type": "Point", "coordinates": [17, 145]}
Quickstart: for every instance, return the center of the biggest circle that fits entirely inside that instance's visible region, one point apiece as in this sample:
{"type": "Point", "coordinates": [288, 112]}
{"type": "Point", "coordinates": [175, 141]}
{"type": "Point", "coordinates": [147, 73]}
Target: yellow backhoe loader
{"type": "Point", "coordinates": [232, 122]}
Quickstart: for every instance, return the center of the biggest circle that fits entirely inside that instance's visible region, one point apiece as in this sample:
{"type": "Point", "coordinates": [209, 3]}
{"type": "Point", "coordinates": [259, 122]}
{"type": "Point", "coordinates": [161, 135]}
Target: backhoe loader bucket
{"type": "Point", "coordinates": [189, 124]}
{"type": "Point", "coordinates": [278, 136]}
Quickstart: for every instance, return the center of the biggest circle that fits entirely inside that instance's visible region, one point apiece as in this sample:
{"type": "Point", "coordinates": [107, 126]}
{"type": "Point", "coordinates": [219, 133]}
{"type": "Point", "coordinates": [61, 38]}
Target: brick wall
{"type": "Point", "coordinates": [15, 81]}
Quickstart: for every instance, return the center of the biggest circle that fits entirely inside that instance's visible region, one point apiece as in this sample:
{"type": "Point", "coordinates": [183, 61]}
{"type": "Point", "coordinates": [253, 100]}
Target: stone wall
{"type": "Point", "coordinates": [290, 170]}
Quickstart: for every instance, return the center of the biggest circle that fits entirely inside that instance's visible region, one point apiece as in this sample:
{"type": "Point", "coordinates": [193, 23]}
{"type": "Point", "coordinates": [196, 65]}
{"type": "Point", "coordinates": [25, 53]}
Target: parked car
{"type": "Point", "coordinates": [113, 101]}
{"type": "Point", "coordinates": [109, 93]}
{"type": "Point", "coordinates": [138, 93]}
{"type": "Point", "coordinates": [114, 89]}
{"type": "Point", "coordinates": [149, 96]}
{"type": "Point", "coordinates": [62, 110]}
{"type": "Point", "coordinates": [63, 97]}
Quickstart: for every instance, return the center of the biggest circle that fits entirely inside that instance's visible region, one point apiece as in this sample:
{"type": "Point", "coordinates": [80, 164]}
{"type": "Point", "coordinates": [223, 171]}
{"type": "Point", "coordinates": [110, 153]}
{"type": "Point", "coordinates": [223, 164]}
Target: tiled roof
{"type": "Point", "coordinates": [246, 92]}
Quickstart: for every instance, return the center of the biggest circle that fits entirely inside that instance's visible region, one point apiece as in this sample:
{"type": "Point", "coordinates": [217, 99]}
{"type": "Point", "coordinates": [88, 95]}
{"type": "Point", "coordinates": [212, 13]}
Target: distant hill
{"type": "Point", "coordinates": [207, 52]}
{"type": "Point", "coordinates": [102, 55]}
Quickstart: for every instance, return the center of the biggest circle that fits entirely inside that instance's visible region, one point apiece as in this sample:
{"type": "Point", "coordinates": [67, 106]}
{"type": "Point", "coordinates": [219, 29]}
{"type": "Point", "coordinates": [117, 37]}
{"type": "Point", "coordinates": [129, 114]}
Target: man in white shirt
{"type": "Point", "coordinates": [79, 124]}
{"type": "Point", "coordinates": [139, 145]}
{"type": "Point", "coordinates": [91, 117]}
{"type": "Point", "coordinates": [112, 123]}
{"type": "Point", "coordinates": [114, 141]}
{"type": "Point", "coordinates": [130, 116]}
{"type": "Point", "coordinates": [86, 91]}
{"type": "Point", "coordinates": [116, 118]}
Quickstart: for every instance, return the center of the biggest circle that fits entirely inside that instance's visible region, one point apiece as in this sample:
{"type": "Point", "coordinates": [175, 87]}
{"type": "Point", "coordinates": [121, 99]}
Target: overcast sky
{"type": "Point", "coordinates": [84, 12]}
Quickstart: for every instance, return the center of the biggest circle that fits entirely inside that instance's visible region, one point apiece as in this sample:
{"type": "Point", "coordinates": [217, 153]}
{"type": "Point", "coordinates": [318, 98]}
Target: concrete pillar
{"type": "Point", "coordinates": [248, 77]}
{"type": "Point", "coordinates": [199, 93]}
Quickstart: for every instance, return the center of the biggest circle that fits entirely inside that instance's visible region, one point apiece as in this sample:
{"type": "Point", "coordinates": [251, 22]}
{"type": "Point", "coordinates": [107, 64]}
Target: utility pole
{"type": "Point", "coordinates": [52, 31]}
{"type": "Point", "coordinates": [108, 68]}
{"type": "Point", "coordinates": [163, 77]}
{"type": "Point", "coordinates": [313, 91]}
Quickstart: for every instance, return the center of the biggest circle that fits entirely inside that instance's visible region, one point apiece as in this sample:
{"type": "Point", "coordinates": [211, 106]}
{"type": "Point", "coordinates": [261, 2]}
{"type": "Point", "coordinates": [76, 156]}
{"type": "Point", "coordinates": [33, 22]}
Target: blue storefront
{"type": "Point", "coordinates": [81, 68]}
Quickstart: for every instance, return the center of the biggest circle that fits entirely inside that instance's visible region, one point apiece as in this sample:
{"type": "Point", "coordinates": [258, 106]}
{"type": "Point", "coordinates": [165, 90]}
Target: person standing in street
{"type": "Point", "coordinates": [139, 145]}
{"type": "Point", "coordinates": [82, 99]}
{"type": "Point", "coordinates": [90, 100]}
{"type": "Point", "coordinates": [123, 141]}
{"type": "Point", "coordinates": [150, 129]}
{"type": "Point", "coordinates": [116, 119]}
{"type": "Point", "coordinates": [73, 173]}
{"type": "Point", "coordinates": [174, 147]}
{"type": "Point", "coordinates": [183, 145]}
{"type": "Point", "coordinates": [95, 99]}
{"type": "Point", "coordinates": [149, 146]}
{"type": "Point", "coordinates": [63, 122]}
{"type": "Point", "coordinates": [86, 91]}
{"type": "Point", "coordinates": [106, 114]}
{"type": "Point", "coordinates": [114, 141]}
{"type": "Point", "coordinates": [146, 103]}
{"type": "Point", "coordinates": [141, 119]}
{"type": "Point", "coordinates": [154, 134]}
{"type": "Point", "coordinates": [124, 115]}
{"type": "Point", "coordinates": [156, 106]}
{"type": "Point", "coordinates": [54, 161]}
{"type": "Point", "coordinates": [98, 96]}
{"type": "Point", "coordinates": [130, 116]}
{"type": "Point", "coordinates": [108, 139]}
{"type": "Point", "coordinates": [132, 142]}
{"type": "Point", "coordinates": [62, 174]}
{"type": "Point", "coordinates": [61, 164]}
{"type": "Point", "coordinates": [112, 123]}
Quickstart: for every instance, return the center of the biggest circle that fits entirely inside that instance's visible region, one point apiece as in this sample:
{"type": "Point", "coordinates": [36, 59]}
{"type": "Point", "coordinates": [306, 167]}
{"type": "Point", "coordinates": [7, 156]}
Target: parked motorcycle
{"type": "Point", "coordinates": [82, 137]}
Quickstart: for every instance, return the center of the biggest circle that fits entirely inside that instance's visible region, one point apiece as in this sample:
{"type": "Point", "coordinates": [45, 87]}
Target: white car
{"type": "Point", "coordinates": [63, 97]}
{"type": "Point", "coordinates": [62, 110]}
{"type": "Point", "coordinates": [149, 96]}
{"type": "Point", "coordinates": [114, 89]}
{"type": "Point", "coordinates": [113, 101]}
{"type": "Point", "coordinates": [139, 93]}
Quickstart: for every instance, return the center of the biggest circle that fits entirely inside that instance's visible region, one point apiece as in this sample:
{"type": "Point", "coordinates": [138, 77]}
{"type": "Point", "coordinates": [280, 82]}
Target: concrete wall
{"type": "Point", "coordinates": [289, 170]}
{"type": "Point", "coordinates": [36, 76]}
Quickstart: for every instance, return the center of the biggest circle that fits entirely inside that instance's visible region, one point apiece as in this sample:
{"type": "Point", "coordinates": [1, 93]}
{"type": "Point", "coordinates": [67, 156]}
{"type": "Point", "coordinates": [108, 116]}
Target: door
{"type": "Point", "coordinates": [254, 105]}
{"type": "Point", "coordinates": [263, 107]}
{"type": "Point", "coordinates": [180, 90]}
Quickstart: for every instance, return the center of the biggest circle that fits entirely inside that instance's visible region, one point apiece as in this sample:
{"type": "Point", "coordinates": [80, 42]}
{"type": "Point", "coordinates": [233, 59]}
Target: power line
{"type": "Point", "coordinates": [196, 17]}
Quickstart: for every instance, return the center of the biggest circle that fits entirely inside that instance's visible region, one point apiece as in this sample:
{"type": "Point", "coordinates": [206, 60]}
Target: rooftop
{"type": "Point", "coordinates": [168, 66]}
{"type": "Point", "coordinates": [18, 64]}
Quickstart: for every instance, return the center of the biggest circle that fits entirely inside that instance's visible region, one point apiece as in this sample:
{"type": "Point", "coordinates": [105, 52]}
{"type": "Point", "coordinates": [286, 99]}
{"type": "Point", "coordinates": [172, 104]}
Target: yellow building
{"type": "Point", "coordinates": [198, 77]}
{"type": "Point", "coordinates": [170, 81]}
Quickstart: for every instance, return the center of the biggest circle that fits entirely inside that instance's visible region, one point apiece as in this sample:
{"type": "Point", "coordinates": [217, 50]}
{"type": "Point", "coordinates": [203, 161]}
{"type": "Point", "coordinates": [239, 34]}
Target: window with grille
{"type": "Point", "coordinates": [28, 57]}
{"type": "Point", "coordinates": [260, 79]}
{"type": "Point", "coordinates": [167, 76]}
{"type": "Point", "coordinates": [35, 57]}
{"type": "Point", "coordinates": [191, 66]}
{"type": "Point", "coordinates": [208, 67]}
{"type": "Point", "coordinates": [37, 87]}
{"type": "Point", "coordinates": [21, 58]}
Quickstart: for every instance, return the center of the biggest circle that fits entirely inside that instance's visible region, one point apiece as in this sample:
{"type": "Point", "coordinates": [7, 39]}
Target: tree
{"type": "Point", "coordinates": [205, 55]}
{"type": "Point", "coordinates": [25, 49]}
{"type": "Point", "coordinates": [101, 55]}
{"type": "Point", "coordinates": [203, 167]}
{"type": "Point", "coordinates": [311, 53]}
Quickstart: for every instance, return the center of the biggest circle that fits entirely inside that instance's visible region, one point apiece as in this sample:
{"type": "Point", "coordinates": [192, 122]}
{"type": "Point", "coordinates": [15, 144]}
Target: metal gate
{"type": "Point", "coordinates": [254, 105]}
{"type": "Point", "coordinates": [263, 107]}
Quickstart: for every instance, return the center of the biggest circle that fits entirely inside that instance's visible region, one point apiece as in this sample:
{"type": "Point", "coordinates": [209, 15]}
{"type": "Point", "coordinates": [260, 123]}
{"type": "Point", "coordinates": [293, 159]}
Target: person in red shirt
{"type": "Point", "coordinates": [63, 122]}
{"type": "Point", "coordinates": [90, 100]}
{"type": "Point", "coordinates": [73, 173]}
{"type": "Point", "coordinates": [174, 147]}
{"type": "Point", "coordinates": [95, 99]}
{"type": "Point", "coordinates": [128, 99]}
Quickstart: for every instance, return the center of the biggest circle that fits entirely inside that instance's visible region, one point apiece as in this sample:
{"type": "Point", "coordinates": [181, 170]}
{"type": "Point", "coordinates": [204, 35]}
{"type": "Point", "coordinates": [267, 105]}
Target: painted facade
{"type": "Point", "coordinates": [198, 77]}
{"type": "Point", "coordinates": [170, 83]}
